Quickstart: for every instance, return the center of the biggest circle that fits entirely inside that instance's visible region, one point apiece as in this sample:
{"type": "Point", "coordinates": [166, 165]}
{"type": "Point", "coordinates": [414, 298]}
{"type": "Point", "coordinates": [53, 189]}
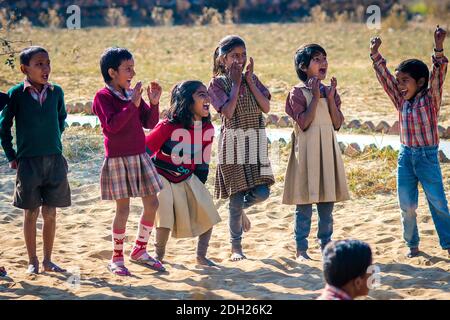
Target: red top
{"type": "Point", "coordinates": [122, 123]}
{"type": "Point", "coordinates": [178, 152]}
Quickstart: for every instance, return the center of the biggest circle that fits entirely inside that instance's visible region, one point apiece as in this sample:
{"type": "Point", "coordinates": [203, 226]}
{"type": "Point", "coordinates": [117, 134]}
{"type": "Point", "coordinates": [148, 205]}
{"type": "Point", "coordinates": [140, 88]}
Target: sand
{"type": "Point", "coordinates": [83, 246]}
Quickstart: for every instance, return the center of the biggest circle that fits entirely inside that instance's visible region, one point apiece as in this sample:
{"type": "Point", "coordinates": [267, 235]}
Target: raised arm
{"type": "Point", "coordinates": [384, 76]}
{"type": "Point", "coordinates": [439, 71]}
{"type": "Point", "coordinates": [261, 94]}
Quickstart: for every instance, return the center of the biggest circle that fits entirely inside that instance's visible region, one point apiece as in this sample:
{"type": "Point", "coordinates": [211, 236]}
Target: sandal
{"type": "Point", "coordinates": [3, 272]}
{"type": "Point", "coordinates": [150, 263]}
{"type": "Point", "coordinates": [118, 270]}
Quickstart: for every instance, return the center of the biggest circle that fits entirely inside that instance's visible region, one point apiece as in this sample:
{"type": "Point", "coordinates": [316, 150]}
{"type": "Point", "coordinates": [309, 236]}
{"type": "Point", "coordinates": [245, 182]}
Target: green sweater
{"type": "Point", "coordinates": [38, 128]}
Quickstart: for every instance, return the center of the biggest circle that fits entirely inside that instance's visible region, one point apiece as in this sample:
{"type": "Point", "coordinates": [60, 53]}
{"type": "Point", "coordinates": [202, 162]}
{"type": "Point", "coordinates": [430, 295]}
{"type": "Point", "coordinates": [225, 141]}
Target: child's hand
{"type": "Point", "coordinates": [235, 73]}
{"type": "Point", "coordinates": [154, 91]}
{"type": "Point", "coordinates": [13, 164]}
{"type": "Point", "coordinates": [314, 84]}
{"type": "Point", "coordinates": [137, 94]}
{"type": "Point", "coordinates": [249, 71]}
{"type": "Point", "coordinates": [375, 44]}
{"type": "Point", "coordinates": [439, 37]}
{"type": "Point", "coordinates": [331, 92]}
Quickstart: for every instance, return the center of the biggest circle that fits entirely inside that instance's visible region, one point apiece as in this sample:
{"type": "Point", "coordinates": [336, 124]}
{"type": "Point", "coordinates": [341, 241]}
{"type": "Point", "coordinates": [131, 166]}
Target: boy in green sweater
{"type": "Point", "coordinates": [38, 110]}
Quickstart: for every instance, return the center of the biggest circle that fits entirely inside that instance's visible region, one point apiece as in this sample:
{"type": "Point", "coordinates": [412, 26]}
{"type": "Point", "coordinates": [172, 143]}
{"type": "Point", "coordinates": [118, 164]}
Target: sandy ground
{"type": "Point", "coordinates": [83, 246]}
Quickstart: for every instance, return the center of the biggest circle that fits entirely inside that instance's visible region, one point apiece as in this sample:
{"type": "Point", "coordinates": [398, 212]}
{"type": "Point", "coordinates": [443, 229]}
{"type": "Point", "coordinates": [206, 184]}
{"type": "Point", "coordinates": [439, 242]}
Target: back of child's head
{"type": "Point", "coordinates": [303, 57]}
{"type": "Point", "coordinates": [417, 69]}
{"type": "Point", "coordinates": [113, 58]}
{"type": "Point", "coordinates": [27, 54]}
{"type": "Point", "coordinates": [345, 260]}
{"type": "Point", "coordinates": [182, 101]}
{"type": "Point", "coordinates": [226, 45]}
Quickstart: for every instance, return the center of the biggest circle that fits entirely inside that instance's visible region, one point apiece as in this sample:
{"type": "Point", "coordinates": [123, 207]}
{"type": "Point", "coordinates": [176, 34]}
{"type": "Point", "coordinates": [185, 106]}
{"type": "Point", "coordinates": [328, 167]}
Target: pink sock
{"type": "Point", "coordinates": [118, 239]}
{"type": "Point", "coordinates": [140, 247]}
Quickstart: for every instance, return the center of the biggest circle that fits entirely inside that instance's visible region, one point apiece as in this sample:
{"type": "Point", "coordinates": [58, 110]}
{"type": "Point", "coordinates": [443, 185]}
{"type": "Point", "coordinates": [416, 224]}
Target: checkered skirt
{"type": "Point", "coordinates": [235, 177]}
{"type": "Point", "coordinates": [129, 177]}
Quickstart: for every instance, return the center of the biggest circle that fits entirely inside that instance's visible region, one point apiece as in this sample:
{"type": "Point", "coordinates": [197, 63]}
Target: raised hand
{"type": "Point", "coordinates": [375, 44]}
{"type": "Point", "coordinates": [154, 92]}
{"type": "Point", "coordinates": [314, 84]}
{"type": "Point", "coordinates": [249, 71]}
{"type": "Point", "coordinates": [235, 73]}
{"type": "Point", "coordinates": [137, 94]}
{"type": "Point", "coordinates": [439, 37]}
{"type": "Point", "coordinates": [331, 92]}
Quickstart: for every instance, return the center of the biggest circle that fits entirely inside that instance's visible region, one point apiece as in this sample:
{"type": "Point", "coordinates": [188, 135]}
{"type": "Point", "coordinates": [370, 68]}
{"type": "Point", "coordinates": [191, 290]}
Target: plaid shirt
{"type": "Point", "coordinates": [124, 95]}
{"type": "Point", "coordinates": [38, 96]}
{"type": "Point", "coordinates": [333, 293]}
{"type": "Point", "coordinates": [418, 118]}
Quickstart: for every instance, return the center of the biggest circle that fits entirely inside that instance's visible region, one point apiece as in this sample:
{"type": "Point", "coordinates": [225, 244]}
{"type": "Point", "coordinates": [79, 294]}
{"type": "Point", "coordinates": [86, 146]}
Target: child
{"type": "Point", "coordinates": [181, 145]}
{"type": "Point", "coordinates": [315, 171]}
{"type": "Point", "coordinates": [243, 174]}
{"type": "Point", "coordinates": [345, 268]}
{"type": "Point", "coordinates": [417, 96]}
{"type": "Point", "coordinates": [39, 112]}
{"type": "Point", "coordinates": [127, 169]}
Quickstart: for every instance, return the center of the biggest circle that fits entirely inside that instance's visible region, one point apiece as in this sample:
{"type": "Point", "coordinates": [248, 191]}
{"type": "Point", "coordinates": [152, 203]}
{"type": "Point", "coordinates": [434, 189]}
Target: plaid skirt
{"type": "Point", "coordinates": [129, 177]}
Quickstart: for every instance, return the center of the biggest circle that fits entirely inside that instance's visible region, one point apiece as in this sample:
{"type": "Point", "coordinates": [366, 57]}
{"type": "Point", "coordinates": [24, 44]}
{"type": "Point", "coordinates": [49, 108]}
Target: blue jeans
{"type": "Point", "coordinates": [421, 164]}
{"type": "Point", "coordinates": [240, 201]}
{"type": "Point", "coordinates": [302, 227]}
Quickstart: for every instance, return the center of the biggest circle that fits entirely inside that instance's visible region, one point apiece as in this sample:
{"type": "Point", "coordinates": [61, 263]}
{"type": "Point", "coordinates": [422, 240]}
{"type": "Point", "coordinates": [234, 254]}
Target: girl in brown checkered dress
{"type": "Point", "coordinates": [127, 170]}
{"type": "Point", "coordinates": [243, 173]}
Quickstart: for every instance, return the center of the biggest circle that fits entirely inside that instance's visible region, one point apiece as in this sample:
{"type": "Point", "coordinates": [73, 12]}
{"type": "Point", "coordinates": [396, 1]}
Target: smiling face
{"type": "Point", "coordinates": [200, 109]}
{"type": "Point", "coordinates": [407, 85]}
{"type": "Point", "coordinates": [38, 70]}
{"type": "Point", "coordinates": [318, 67]}
{"type": "Point", "coordinates": [121, 78]}
{"type": "Point", "coordinates": [238, 54]}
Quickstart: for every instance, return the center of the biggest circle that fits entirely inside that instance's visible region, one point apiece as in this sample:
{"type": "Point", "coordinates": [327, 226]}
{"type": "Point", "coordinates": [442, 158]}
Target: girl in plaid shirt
{"type": "Point", "coordinates": [417, 96]}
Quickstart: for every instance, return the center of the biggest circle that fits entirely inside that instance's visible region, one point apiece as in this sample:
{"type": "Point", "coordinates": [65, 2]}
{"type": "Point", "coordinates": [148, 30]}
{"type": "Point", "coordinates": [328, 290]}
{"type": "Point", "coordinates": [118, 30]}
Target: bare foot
{"type": "Point", "coordinates": [412, 252]}
{"type": "Point", "coordinates": [246, 224]}
{"type": "Point", "coordinates": [33, 266]}
{"type": "Point", "coordinates": [206, 262]}
{"type": "Point", "coordinates": [303, 256]}
{"type": "Point", "coordinates": [51, 267]}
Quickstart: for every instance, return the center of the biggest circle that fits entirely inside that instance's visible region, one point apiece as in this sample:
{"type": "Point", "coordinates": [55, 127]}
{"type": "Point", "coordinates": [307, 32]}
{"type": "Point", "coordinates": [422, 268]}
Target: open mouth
{"type": "Point", "coordinates": [206, 106]}
{"type": "Point", "coordinates": [45, 77]}
{"type": "Point", "coordinates": [404, 92]}
{"type": "Point", "coordinates": [323, 71]}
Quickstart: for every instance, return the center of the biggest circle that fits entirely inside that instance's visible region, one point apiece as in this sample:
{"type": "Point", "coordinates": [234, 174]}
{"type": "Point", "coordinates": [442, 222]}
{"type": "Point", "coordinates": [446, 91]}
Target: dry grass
{"type": "Point", "coordinates": [172, 54]}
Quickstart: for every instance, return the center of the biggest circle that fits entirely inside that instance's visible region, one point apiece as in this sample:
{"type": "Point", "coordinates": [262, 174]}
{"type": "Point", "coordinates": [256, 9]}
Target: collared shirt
{"type": "Point", "coordinates": [333, 293]}
{"type": "Point", "coordinates": [418, 118]}
{"type": "Point", "coordinates": [122, 95]}
{"type": "Point", "coordinates": [38, 96]}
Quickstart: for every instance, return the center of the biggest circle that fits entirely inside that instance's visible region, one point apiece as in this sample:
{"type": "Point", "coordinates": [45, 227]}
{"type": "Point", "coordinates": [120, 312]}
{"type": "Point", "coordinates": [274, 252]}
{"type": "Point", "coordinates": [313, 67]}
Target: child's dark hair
{"type": "Point", "coordinates": [27, 54]}
{"type": "Point", "coordinates": [112, 58]}
{"type": "Point", "coordinates": [345, 260]}
{"type": "Point", "coordinates": [416, 69]}
{"type": "Point", "coordinates": [226, 45]}
{"type": "Point", "coordinates": [181, 103]}
{"type": "Point", "coordinates": [303, 57]}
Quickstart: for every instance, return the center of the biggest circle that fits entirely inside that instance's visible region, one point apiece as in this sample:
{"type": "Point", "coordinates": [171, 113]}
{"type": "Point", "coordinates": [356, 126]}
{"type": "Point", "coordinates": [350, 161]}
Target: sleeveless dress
{"type": "Point", "coordinates": [315, 171]}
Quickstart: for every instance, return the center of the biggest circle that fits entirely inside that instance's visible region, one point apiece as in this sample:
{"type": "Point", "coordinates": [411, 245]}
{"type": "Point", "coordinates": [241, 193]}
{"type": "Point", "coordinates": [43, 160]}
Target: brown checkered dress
{"type": "Point", "coordinates": [253, 168]}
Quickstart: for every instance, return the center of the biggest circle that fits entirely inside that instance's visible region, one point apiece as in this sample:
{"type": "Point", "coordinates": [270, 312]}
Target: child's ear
{"type": "Point", "coordinates": [23, 68]}
{"type": "Point", "coordinates": [303, 68]}
{"type": "Point", "coordinates": [112, 73]}
{"type": "Point", "coordinates": [421, 82]}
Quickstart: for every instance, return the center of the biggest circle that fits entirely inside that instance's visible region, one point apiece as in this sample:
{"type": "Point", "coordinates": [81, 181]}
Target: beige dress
{"type": "Point", "coordinates": [315, 171]}
{"type": "Point", "coordinates": [186, 208]}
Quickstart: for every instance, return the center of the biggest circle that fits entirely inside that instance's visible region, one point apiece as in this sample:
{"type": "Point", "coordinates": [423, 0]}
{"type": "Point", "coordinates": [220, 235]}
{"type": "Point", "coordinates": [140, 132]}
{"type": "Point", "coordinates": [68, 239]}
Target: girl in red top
{"type": "Point", "coordinates": [180, 146]}
{"type": "Point", "coordinates": [127, 170]}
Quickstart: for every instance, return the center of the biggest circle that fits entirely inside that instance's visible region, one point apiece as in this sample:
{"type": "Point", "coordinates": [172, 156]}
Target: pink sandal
{"type": "Point", "coordinates": [149, 262]}
{"type": "Point", "coordinates": [118, 270]}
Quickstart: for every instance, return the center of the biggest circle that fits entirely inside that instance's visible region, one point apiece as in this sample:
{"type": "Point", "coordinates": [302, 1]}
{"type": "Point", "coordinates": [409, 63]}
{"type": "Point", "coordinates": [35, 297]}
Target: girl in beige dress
{"type": "Point", "coordinates": [315, 172]}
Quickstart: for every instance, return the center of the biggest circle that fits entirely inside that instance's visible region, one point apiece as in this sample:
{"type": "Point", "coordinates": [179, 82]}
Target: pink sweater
{"type": "Point", "coordinates": [122, 123]}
